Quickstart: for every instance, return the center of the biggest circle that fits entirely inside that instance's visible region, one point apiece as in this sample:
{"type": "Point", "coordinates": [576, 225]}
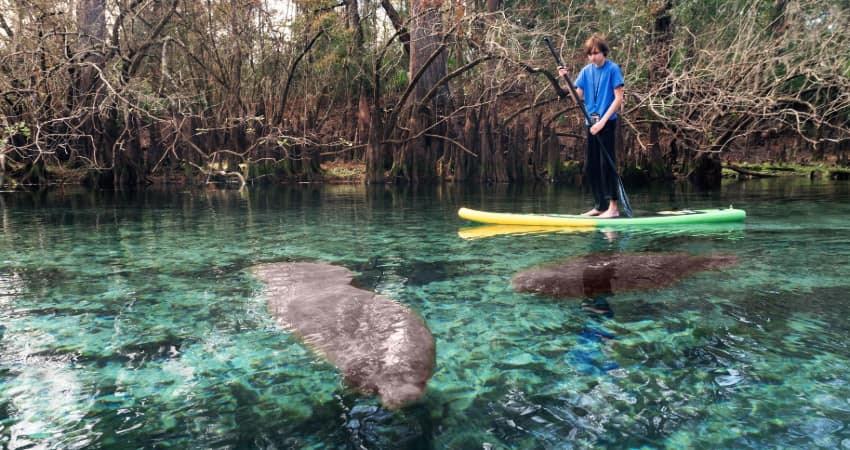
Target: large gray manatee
{"type": "Point", "coordinates": [380, 346]}
{"type": "Point", "coordinates": [609, 273]}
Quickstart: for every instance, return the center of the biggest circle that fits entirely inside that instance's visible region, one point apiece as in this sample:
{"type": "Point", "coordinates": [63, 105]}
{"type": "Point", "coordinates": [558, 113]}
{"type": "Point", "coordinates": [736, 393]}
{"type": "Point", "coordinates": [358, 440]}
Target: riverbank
{"type": "Point", "coordinates": [353, 172]}
{"type": "Point", "coordinates": [757, 170]}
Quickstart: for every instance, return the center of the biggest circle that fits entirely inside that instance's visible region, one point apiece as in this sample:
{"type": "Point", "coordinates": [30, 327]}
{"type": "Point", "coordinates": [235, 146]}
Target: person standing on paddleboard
{"type": "Point", "coordinates": [600, 86]}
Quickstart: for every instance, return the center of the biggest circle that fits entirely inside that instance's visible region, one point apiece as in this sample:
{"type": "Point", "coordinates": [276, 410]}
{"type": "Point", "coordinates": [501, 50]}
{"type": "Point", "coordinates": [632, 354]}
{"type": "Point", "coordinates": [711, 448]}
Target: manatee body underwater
{"type": "Point", "coordinates": [598, 274]}
{"type": "Point", "coordinates": [380, 346]}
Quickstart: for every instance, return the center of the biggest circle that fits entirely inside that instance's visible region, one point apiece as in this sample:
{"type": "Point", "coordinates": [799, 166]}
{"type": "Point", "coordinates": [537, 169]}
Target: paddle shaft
{"type": "Point", "coordinates": [570, 84]}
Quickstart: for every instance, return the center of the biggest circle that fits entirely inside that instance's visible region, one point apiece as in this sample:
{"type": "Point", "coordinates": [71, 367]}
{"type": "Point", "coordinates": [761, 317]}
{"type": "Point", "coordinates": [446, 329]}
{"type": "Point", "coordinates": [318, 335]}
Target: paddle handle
{"type": "Point", "coordinates": [567, 79]}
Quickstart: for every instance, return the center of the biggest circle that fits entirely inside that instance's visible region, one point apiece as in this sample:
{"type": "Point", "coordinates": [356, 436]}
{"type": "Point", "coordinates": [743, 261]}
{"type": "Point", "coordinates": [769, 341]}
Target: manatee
{"type": "Point", "coordinates": [597, 274]}
{"type": "Point", "coordinates": [380, 346]}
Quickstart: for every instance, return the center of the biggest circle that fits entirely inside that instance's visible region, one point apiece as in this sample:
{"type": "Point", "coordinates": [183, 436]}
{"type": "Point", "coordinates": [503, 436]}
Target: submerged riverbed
{"type": "Point", "coordinates": [131, 320]}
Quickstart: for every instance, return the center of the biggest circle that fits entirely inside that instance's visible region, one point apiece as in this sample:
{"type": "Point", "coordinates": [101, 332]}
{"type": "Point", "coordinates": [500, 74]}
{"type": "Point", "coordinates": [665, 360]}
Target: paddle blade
{"type": "Point", "coordinates": [624, 199]}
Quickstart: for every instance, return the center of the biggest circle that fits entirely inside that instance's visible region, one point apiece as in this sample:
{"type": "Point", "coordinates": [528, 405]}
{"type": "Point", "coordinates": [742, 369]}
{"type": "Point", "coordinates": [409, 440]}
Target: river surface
{"type": "Point", "coordinates": [131, 320]}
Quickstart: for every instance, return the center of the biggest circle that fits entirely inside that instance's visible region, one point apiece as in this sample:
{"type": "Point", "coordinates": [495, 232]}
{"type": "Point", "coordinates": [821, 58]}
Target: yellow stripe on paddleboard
{"type": "Point", "coordinates": [525, 219]}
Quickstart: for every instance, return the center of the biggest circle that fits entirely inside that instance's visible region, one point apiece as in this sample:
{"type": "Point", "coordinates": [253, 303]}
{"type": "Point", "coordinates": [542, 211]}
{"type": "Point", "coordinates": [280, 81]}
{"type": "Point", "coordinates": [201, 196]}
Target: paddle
{"type": "Point", "coordinates": [627, 209]}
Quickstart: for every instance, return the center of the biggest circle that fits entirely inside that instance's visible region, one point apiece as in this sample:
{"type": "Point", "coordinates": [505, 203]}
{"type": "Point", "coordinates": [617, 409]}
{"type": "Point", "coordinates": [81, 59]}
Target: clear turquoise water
{"type": "Point", "coordinates": [129, 320]}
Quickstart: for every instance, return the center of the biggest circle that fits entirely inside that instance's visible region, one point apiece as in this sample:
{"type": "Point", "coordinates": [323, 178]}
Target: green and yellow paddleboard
{"type": "Point", "coordinates": [698, 216]}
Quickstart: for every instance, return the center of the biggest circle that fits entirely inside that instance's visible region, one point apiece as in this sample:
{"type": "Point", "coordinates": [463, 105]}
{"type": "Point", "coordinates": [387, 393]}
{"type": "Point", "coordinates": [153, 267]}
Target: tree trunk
{"type": "Point", "coordinates": [91, 30]}
{"type": "Point", "coordinates": [707, 171]}
{"type": "Point", "coordinates": [376, 152]}
{"type": "Point", "coordinates": [658, 68]}
{"type": "Point", "coordinates": [416, 162]}
{"type": "Point", "coordinates": [361, 116]}
{"type": "Point", "coordinates": [552, 150]}
{"type": "Point", "coordinates": [398, 24]}
{"type": "Point", "coordinates": [464, 164]}
{"type": "Point", "coordinates": [492, 154]}
{"type": "Point", "coordinates": [235, 111]}
{"type": "Point", "coordinates": [516, 149]}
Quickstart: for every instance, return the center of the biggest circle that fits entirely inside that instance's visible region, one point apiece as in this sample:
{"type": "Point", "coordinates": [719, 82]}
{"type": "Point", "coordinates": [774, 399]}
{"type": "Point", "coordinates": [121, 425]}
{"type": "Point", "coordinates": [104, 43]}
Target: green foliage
{"type": "Point", "coordinates": [262, 170]}
{"type": "Point", "coordinates": [18, 128]}
{"type": "Point", "coordinates": [9, 132]}
{"type": "Point", "coordinates": [399, 81]}
{"type": "Point", "coordinates": [570, 170]}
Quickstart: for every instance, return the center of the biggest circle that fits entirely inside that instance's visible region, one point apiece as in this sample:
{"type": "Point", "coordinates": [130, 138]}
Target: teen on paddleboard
{"type": "Point", "coordinates": [600, 86]}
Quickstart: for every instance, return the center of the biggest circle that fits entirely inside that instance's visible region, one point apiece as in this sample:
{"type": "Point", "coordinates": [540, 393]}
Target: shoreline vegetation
{"type": "Point", "coordinates": [122, 95]}
{"type": "Point", "coordinates": [349, 172]}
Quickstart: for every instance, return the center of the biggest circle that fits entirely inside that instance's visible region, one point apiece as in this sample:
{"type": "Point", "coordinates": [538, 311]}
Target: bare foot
{"type": "Point", "coordinates": [611, 213]}
{"type": "Point", "coordinates": [592, 212]}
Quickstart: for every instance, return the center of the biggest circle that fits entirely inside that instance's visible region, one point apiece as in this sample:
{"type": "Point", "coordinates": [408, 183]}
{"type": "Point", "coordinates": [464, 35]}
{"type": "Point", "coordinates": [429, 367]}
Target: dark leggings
{"type": "Point", "coordinates": [602, 174]}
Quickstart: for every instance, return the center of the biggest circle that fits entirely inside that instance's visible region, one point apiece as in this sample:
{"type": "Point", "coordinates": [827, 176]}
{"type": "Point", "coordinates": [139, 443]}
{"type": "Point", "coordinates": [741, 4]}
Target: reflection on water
{"type": "Point", "coordinates": [129, 320]}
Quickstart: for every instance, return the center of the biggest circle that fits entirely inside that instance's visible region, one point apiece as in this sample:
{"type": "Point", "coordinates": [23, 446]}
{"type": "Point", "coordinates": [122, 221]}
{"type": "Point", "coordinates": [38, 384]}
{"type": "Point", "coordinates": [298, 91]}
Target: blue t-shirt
{"type": "Point", "coordinates": [598, 84]}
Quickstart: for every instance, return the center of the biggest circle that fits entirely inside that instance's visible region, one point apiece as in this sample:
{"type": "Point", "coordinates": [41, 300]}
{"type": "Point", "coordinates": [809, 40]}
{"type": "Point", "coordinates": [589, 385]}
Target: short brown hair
{"type": "Point", "coordinates": [596, 42]}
